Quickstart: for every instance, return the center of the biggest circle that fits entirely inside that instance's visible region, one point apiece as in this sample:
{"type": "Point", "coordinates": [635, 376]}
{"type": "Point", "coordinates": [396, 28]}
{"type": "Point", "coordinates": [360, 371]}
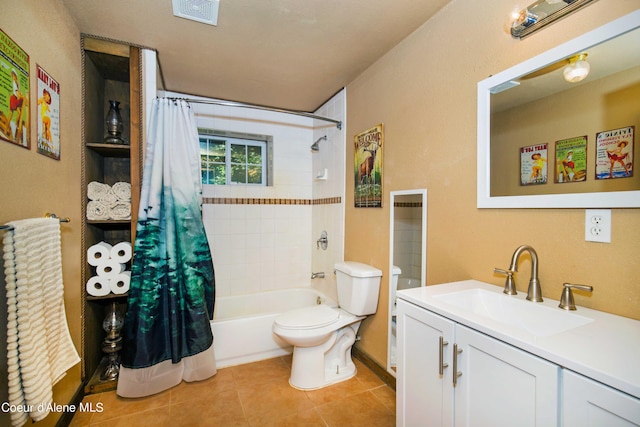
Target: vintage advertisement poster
{"type": "Point", "coordinates": [368, 168]}
{"type": "Point", "coordinates": [533, 164]}
{"type": "Point", "coordinates": [14, 92]}
{"type": "Point", "coordinates": [614, 153]}
{"type": "Point", "coordinates": [48, 115]}
{"type": "Point", "coordinates": [571, 160]}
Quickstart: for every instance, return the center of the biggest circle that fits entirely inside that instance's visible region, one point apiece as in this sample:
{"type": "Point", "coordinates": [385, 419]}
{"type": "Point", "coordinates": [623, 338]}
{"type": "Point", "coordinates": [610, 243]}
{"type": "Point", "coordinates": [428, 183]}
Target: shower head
{"type": "Point", "coordinates": [316, 145]}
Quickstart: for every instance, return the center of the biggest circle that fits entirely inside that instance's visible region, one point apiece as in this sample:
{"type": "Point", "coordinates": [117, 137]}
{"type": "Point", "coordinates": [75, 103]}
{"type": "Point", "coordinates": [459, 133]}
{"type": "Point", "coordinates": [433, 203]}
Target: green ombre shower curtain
{"type": "Point", "coordinates": [172, 291]}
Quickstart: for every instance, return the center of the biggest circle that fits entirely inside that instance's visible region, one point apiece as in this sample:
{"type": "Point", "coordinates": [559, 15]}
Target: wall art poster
{"type": "Point", "coordinates": [571, 160]}
{"type": "Point", "coordinates": [48, 116]}
{"type": "Point", "coordinates": [14, 92]}
{"type": "Point", "coordinates": [368, 168]}
{"type": "Point", "coordinates": [533, 164]}
{"type": "Point", "coordinates": [614, 153]}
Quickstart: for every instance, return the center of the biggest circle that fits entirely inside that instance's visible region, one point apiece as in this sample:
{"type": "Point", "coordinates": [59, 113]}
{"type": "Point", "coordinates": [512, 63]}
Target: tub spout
{"type": "Point", "coordinates": [318, 275]}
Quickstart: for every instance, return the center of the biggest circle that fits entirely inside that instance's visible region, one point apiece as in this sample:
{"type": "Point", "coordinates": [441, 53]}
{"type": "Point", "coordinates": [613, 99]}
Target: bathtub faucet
{"type": "Point", "coordinates": [318, 275]}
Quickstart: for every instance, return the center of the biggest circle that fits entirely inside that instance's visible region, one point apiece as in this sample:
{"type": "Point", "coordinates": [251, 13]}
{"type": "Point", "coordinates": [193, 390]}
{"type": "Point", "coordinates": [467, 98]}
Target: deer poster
{"type": "Point", "coordinates": [368, 168]}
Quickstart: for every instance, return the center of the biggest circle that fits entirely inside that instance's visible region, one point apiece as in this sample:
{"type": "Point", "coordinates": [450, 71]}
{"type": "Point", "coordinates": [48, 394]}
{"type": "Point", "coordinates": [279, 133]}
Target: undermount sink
{"type": "Point", "coordinates": [534, 318]}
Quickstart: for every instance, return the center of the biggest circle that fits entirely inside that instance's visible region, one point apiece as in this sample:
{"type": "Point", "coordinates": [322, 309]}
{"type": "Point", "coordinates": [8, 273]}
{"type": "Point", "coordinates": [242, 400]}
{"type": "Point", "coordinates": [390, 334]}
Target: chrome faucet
{"type": "Point", "coordinates": [534, 292]}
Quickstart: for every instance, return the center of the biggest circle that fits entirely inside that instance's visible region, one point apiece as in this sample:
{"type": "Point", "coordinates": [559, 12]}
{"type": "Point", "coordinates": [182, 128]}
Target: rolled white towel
{"type": "Point", "coordinates": [96, 189]}
{"type": "Point", "coordinates": [97, 210]}
{"type": "Point", "coordinates": [109, 198]}
{"type": "Point", "coordinates": [122, 210]}
{"type": "Point", "coordinates": [122, 190]}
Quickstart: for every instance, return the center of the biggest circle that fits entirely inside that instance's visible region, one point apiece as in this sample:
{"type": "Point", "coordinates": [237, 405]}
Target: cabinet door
{"type": "Point", "coordinates": [501, 385]}
{"type": "Point", "coordinates": [589, 403]}
{"type": "Point", "coordinates": [424, 396]}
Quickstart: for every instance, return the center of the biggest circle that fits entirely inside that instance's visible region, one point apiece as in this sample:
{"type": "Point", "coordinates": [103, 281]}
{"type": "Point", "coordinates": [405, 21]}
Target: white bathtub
{"type": "Point", "coordinates": [242, 324]}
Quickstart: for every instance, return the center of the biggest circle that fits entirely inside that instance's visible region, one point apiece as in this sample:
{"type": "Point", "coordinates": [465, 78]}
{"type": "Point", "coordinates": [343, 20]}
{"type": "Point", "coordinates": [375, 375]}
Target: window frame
{"type": "Point", "coordinates": [229, 138]}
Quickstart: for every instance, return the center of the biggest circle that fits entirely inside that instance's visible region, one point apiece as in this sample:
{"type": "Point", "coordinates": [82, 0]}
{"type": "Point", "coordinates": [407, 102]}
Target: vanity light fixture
{"type": "Point", "coordinates": [541, 13]}
{"type": "Point", "coordinates": [577, 69]}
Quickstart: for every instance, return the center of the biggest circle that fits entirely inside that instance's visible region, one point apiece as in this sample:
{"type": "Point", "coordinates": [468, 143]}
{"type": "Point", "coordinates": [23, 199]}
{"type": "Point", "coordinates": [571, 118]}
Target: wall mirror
{"type": "Point", "coordinates": [407, 253]}
{"type": "Point", "coordinates": [532, 107]}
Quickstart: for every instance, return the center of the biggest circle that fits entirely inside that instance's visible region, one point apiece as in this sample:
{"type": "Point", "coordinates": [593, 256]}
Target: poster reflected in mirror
{"type": "Point", "coordinates": [571, 160]}
{"type": "Point", "coordinates": [533, 164]}
{"type": "Point", "coordinates": [614, 153]}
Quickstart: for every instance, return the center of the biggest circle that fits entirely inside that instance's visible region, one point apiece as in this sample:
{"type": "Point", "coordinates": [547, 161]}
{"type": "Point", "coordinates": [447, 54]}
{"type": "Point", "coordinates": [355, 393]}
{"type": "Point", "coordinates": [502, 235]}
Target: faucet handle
{"type": "Point", "coordinates": [509, 284]}
{"type": "Point", "coordinates": [566, 300]}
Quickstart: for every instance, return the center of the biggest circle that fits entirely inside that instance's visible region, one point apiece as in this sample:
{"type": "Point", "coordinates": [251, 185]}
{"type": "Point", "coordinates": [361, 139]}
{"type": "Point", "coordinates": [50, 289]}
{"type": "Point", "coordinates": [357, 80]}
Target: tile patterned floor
{"type": "Point", "coordinates": [255, 394]}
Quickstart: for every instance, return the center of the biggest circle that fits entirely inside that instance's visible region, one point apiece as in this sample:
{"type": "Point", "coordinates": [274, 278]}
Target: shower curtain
{"type": "Point", "coordinates": [167, 333]}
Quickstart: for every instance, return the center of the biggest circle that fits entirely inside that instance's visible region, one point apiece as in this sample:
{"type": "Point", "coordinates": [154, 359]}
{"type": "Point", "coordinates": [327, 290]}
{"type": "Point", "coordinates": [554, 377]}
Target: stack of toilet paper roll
{"type": "Point", "coordinates": [109, 201]}
{"type": "Point", "coordinates": [110, 264]}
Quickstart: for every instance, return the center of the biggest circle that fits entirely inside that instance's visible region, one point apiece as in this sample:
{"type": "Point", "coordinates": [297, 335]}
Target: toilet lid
{"type": "Point", "coordinates": [304, 318]}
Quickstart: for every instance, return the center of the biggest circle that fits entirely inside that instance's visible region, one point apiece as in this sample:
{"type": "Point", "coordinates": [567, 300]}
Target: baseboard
{"type": "Point", "coordinates": [367, 361]}
{"type": "Point", "coordinates": [66, 417]}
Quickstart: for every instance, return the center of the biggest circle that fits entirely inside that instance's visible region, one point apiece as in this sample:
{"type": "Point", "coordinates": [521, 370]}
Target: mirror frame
{"type": "Point", "coordinates": [614, 199]}
{"type": "Point", "coordinates": [423, 260]}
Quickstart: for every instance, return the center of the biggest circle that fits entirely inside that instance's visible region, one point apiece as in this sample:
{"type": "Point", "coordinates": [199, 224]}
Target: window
{"type": "Point", "coordinates": [232, 158]}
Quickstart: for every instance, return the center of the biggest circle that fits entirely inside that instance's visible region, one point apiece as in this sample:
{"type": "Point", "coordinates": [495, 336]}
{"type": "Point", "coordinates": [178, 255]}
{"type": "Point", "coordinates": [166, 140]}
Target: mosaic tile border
{"type": "Point", "coordinates": [408, 204]}
{"type": "Point", "coordinates": [268, 201]}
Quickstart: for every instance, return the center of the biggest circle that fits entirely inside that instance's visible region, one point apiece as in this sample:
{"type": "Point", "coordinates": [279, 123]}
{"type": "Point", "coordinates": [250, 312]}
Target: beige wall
{"type": "Point", "coordinates": [424, 91]}
{"type": "Point", "coordinates": [33, 184]}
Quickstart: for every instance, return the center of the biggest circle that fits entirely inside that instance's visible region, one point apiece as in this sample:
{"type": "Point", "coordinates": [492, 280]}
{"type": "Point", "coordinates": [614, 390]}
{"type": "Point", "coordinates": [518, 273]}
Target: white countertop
{"type": "Point", "coordinates": [606, 350]}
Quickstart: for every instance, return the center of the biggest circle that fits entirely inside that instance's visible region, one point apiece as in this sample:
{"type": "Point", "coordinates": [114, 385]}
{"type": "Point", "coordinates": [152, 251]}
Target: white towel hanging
{"type": "Point", "coordinates": [39, 346]}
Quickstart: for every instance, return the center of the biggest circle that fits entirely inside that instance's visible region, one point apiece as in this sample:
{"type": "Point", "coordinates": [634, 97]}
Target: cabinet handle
{"type": "Point", "coordinates": [456, 374]}
{"type": "Point", "coordinates": [442, 364]}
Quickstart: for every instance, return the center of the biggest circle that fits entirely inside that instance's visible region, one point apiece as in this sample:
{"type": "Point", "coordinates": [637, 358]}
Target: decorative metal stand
{"type": "Point", "coordinates": [114, 125]}
{"type": "Point", "coordinates": [112, 343]}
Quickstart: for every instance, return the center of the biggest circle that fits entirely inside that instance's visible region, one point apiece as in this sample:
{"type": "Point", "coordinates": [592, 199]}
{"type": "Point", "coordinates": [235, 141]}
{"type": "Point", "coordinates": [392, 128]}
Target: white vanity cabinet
{"type": "Point", "coordinates": [497, 384]}
{"type": "Point", "coordinates": [501, 385]}
{"type": "Point", "coordinates": [587, 403]}
{"type": "Point", "coordinates": [424, 396]}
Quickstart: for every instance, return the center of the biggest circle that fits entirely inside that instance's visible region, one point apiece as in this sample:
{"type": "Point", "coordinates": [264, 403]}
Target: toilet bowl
{"type": "Point", "coordinates": [322, 336]}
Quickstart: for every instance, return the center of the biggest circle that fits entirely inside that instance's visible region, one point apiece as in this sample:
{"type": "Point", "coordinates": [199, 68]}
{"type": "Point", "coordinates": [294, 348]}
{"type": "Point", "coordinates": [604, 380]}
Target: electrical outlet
{"type": "Point", "coordinates": [597, 225]}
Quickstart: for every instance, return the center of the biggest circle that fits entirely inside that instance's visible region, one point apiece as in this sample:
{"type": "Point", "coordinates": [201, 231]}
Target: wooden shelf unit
{"type": "Point", "coordinates": [111, 72]}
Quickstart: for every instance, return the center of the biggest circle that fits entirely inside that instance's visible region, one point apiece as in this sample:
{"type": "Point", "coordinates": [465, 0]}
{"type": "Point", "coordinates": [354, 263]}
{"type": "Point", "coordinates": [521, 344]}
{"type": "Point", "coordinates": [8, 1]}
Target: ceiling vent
{"type": "Point", "coordinates": [205, 11]}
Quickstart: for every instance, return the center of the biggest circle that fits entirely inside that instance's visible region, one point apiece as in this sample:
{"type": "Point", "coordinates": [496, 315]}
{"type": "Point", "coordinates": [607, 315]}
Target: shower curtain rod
{"type": "Point", "coordinates": [338, 123]}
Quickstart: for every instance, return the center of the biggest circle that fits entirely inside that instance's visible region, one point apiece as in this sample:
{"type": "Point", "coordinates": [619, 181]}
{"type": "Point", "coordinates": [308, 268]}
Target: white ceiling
{"type": "Point", "coordinates": [289, 54]}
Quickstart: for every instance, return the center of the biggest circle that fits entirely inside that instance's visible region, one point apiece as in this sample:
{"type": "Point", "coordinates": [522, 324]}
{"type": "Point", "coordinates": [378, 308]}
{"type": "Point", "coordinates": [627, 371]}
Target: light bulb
{"type": "Point", "coordinates": [577, 70]}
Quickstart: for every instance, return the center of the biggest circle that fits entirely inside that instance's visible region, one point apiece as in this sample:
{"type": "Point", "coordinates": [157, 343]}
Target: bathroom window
{"type": "Point", "coordinates": [231, 158]}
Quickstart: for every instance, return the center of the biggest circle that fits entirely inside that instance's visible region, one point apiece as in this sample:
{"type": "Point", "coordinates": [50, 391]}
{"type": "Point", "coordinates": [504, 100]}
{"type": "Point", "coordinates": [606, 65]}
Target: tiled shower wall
{"type": "Point", "coordinates": [328, 211]}
{"type": "Point", "coordinates": [407, 241]}
{"type": "Point", "coordinates": [264, 238]}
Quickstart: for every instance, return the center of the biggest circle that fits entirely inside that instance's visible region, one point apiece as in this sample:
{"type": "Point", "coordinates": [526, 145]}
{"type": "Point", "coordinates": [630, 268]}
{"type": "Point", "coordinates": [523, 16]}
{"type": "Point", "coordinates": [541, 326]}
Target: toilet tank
{"type": "Point", "coordinates": [358, 287]}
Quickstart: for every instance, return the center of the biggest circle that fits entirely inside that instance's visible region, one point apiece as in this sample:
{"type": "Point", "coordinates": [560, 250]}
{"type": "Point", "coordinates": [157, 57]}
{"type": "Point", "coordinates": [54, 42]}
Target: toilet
{"type": "Point", "coordinates": [322, 336]}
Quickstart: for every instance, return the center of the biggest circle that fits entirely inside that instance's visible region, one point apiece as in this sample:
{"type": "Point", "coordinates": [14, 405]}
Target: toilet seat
{"type": "Point", "coordinates": [308, 318]}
